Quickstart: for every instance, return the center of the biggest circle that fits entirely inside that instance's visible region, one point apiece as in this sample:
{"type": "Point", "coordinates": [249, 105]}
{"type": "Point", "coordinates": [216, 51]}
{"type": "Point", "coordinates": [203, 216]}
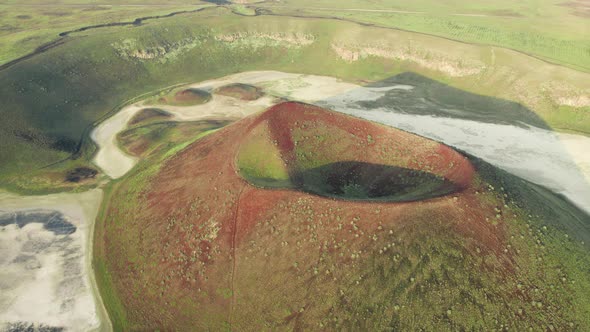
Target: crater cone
{"type": "Point", "coordinates": [293, 216]}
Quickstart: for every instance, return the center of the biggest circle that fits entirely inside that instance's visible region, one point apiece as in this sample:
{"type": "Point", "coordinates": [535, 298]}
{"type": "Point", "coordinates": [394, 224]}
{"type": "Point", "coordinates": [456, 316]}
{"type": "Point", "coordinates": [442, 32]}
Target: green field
{"type": "Point", "coordinates": [540, 28]}
{"type": "Point", "coordinates": [27, 25]}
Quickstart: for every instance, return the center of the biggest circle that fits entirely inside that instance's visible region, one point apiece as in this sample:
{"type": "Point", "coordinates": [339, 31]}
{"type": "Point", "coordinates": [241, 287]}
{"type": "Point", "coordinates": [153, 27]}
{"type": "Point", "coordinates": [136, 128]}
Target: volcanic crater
{"type": "Point", "coordinates": [318, 152]}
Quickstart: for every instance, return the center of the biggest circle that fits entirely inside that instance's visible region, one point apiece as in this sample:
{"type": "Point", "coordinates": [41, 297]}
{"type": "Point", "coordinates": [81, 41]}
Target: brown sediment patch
{"type": "Point", "coordinates": [194, 96]}
{"type": "Point", "coordinates": [576, 4]}
{"type": "Point", "coordinates": [582, 13]}
{"type": "Point", "coordinates": [240, 91]}
{"type": "Point", "coordinates": [579, 7]}
{"type": "Point", "coordinates": [504, 12]}
{"type": "Point", "coordinates": [149, 114]}
{"type": "Point", "coordinates": [57, 13]}
{"type": "Point", "coordinates": [80, 174]}
{"type": "Point", "coordinates": [186, 97]}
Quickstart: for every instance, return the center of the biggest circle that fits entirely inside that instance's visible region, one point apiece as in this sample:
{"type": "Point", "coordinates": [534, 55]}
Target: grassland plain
{"type": "Point", "coordinates": [283, 259]}
{"type": "Point", "coordinates": [538, 28]}
{"type": "Point", "coordinates": [50, 101]}
{"type": "Point", "coordinates": [555, 30]}
{"type": "Point", "coordinates": [25, 26]}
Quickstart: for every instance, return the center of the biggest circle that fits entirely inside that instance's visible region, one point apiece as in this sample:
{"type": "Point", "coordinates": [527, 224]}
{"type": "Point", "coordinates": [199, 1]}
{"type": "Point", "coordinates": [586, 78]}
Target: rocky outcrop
{"type": "Point", "coordinates": [261, 39]}
{"type": "Point", "coordinates": [429, 59]}
{"type": "Point", "coordinates": [566, 94]}
{"type": "Point", "coordinates": [132, 49]}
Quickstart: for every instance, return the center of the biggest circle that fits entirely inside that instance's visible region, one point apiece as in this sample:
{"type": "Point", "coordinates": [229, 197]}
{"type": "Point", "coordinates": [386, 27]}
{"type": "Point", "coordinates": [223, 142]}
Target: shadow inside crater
{"type": "Point", "coordinates": [353, 180]}
{"type": "Point", "coordinates": [362, 181]}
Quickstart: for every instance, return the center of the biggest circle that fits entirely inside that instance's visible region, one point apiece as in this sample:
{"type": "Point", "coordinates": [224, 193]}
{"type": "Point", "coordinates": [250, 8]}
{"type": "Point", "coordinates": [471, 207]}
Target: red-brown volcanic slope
{"type": "Point", "coordinates": [204, 249]}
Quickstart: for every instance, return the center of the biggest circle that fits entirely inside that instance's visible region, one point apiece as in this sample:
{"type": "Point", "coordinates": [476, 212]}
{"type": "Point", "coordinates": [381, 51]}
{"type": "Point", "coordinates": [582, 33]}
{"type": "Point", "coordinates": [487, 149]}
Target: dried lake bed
{"type": "Point", "coordinates": [45, 259]}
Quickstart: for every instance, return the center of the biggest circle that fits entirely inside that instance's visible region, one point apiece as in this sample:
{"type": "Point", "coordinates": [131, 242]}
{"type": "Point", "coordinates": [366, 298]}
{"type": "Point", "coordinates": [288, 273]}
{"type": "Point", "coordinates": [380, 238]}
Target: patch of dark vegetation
{"type": "Point", "coordinates": [240, 91]}
{"type": "Point", "coordinates": [96, 8]}
{"type": "Point", "coordinates": [65, 144]}
{"type": "Point", "coordinates": [23, 17]}
{"type": "Point", "coordinates": [52, 221]}
{"type": "Point", "coordinates": [7, 27]}
{"type": "Point", "coordinates": [149, 114]}
{"type": "Point", "coordinates": [80, 173]}
{"type": "Point", "coordinates": [62, 143]}
{"type": "Point", "coordinates": [429, 97]}
{"type": "Point", "coordinates": [58, 14]}
{"type": "Point", "coordinates": [504, 12]}
{"type": "Point", "coordinates": [218, 2]}
{"type": "Point", "coordinates": [28, 136]}
{"type": "Point", "coordinates": [365, 181]}
{"type": "Point", "coordinates": [262, 11]}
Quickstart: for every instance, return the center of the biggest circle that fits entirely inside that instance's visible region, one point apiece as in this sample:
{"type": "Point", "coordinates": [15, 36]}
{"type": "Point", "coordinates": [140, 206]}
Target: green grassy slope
{"type": "Point", "coordinates": [541, 28]}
